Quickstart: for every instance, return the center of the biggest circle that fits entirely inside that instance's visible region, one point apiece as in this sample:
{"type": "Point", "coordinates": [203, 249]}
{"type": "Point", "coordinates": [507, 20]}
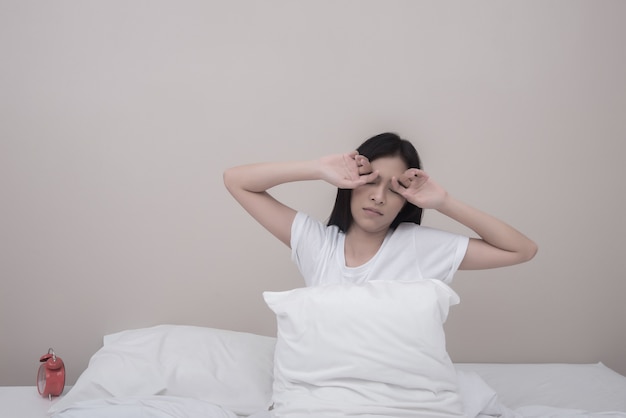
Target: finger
{"type": "Point", "coordinates": [350, 165]}
{"type": "Point", "coordinates": [404, 181]}
{"type": "Point", "coordinates": [415, 176]}
{"type": "Point", "coordinates": [415, 172]}
{"type": "Point", "coordinates": [364, 165]}
{"type": "Point", "coordinates": [419, 178]}
{"type": "Point", "coordinates": [396, 186]}
{"type": "Point", "coordinates": [369, 177]}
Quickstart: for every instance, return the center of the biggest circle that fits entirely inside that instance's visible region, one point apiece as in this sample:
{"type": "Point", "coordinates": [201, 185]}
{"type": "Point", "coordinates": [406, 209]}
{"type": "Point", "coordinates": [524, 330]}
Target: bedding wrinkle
{"type": "Point", "coordinates": [227, 368]}
{"type": "Point", "coordinates": [486, 390]}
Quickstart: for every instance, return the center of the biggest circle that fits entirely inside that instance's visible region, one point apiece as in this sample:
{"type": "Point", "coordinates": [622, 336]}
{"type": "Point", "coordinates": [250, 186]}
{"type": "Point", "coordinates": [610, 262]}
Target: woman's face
{"type": "Point", "coordinates": [374, 205]}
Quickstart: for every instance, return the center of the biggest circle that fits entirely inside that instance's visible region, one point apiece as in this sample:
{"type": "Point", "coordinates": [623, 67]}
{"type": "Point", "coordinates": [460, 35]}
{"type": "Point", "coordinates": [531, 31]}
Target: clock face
{"type": "Point", "coordinates": [41, 379]}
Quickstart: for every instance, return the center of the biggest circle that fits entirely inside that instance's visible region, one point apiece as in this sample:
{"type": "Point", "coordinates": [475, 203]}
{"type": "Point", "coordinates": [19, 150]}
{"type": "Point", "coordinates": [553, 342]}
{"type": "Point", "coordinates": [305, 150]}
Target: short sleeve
{"type": "Point", "coordinates": [307, 239]}
{"type": "Point", "coordinates": [419, 251]}
{"type": "Point", "coordinates": [440, 253]}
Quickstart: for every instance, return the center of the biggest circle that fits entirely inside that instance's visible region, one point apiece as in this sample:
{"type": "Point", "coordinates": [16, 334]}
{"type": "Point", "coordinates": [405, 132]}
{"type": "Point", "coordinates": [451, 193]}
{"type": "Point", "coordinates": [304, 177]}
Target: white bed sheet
{"type": "Point", "coordinates": [523, 391]}
{"type": "Point", "coordinates": [590, 387]}
{"type": "Point", "coordinates": [24, 402]}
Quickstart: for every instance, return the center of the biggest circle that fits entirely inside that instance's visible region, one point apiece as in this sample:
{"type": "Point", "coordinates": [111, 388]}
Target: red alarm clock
{"type": "Point", "coordinates": [51, 375]}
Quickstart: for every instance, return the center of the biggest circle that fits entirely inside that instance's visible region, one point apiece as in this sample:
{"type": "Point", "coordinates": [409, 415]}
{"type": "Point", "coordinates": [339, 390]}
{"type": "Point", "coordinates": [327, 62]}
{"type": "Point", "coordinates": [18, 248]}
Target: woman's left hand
{"type": "Point", "coordinates": [419, 189]}
{"type": "Point", "coordinates": [499, 244]}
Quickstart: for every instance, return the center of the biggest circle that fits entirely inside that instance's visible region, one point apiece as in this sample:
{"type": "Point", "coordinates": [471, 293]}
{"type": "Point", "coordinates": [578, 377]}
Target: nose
{"type": "Point", "coordinates": [378, 195]}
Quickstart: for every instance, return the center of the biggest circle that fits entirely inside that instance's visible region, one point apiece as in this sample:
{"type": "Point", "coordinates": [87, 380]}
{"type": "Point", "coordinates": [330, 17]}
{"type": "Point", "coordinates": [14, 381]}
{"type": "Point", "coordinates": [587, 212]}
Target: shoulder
{"type": "Point", "coordinates": [412, 228]}
{"type": "Point", "coordinates": [313, 246]}
{"type": "Point", "coordinates": [305, 226]}
{"type": "Point", "coordinates": [425, 235]}
{"type": "Point", "coordinates": [304, 222]}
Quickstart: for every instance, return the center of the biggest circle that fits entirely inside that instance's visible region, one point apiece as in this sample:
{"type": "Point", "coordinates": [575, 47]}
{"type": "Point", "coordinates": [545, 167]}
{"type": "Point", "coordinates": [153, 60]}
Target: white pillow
{"type": "Point", "coordinates": [228, 368]}
{"type": "Point", "coordinates": [376, 349]}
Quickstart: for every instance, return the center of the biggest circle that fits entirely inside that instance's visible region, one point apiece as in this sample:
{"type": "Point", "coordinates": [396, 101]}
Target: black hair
{"type": "Point", "coordinates": [386, 144]}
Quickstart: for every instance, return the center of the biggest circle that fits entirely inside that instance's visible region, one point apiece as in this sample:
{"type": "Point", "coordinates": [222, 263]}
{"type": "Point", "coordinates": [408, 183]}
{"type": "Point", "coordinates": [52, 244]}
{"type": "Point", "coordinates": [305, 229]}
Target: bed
{"type": "Point", "coordinates": [522, 390]}
{"type": "Point", "coordinates": [339, 351]}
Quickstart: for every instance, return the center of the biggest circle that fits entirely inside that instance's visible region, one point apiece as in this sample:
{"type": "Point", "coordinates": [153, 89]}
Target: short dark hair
{"type": "Point", "coordinates": [387, 144]}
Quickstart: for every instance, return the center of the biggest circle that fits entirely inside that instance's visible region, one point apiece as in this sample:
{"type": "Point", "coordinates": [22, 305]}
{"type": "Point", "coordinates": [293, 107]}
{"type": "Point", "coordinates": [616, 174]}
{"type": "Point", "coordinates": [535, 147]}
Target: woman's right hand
{"type": "Point", "coordinates": [249, 185]}
{"type": "Point", "coordinates": [347, 171]}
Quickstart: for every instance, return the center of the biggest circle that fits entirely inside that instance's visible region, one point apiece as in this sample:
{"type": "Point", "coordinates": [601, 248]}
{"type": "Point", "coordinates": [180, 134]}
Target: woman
{"type": "Point", "coordinates": [374, 231]}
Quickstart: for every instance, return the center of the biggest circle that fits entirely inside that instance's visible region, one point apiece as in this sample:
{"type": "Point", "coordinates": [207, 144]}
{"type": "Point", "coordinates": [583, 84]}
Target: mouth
{"type": "Point", "coordinates": [373, 211]}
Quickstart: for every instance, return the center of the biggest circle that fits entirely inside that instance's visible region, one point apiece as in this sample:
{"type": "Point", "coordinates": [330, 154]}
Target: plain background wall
{"type": "Point", "coordinates": [119, 117]}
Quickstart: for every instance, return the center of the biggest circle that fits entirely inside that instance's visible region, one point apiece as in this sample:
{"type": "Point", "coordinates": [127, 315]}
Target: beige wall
{"type": "Point", "coordinates": [118, 118]}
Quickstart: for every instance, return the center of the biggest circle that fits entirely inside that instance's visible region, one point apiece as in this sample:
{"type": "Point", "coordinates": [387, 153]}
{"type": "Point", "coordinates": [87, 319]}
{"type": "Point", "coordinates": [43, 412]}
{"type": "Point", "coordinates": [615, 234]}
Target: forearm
{"type": "Point", "coordinates": [490, 229]}
{"type": "Point", "coordinates": [263, 176]}
{"type": "Point", "coordinates": [249, 185]}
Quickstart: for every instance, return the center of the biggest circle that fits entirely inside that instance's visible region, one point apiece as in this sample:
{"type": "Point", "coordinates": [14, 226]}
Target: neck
{"type": "Point", "coordinates": [360, 246]}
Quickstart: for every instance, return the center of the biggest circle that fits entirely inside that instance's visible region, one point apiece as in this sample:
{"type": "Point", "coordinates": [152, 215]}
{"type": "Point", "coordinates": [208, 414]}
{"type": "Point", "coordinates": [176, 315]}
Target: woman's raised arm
{"type": "Point", "coordinates": [499, 245]}
{"type": "Point", "coordinates": [249, 185]}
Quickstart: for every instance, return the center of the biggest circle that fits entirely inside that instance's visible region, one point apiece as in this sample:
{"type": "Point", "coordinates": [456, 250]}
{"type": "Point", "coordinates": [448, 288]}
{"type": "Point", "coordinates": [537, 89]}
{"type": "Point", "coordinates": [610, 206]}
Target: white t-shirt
{"type": "Point", "coordinates": [409, 252]}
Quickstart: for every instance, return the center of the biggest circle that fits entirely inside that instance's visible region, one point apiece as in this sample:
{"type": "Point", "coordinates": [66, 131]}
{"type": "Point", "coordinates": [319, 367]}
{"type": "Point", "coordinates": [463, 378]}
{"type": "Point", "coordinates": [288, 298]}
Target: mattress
{"type": "Point", "coordinates": [521, 390]}
{"type": "Point", "coordinates": [590, 387]}
{"type": "Point", "coordinates": [24, 402]}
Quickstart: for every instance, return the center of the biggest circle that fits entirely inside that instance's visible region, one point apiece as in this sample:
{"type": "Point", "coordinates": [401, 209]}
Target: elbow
{"type": "Point", "coordinates": [234, 181]}
{"type": "Point", "coordinates": [228, 178]}
{"type": "Point", "coordinates": [530, 252]}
